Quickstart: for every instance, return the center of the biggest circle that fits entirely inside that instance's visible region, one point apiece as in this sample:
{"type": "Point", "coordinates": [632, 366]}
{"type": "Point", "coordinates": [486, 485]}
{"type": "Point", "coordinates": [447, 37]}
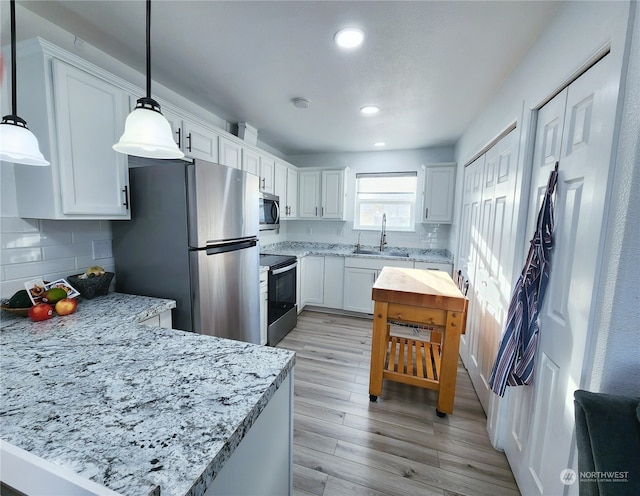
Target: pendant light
{"type": "Point", "coordinates": [146, 131]}
{"type": "Point", "coordinates": [17, 143]}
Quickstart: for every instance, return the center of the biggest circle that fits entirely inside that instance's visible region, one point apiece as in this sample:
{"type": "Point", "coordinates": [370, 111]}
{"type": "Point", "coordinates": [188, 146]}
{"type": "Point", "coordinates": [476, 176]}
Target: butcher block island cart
{"type": "Point", "coordinates": [424, 298]}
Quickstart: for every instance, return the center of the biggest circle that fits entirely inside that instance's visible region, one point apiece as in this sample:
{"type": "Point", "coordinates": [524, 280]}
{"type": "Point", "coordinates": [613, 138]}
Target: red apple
{"type": "Point", "coordinates": [41, 311]}
{"type": "Point", "coordinates": [66, 306]}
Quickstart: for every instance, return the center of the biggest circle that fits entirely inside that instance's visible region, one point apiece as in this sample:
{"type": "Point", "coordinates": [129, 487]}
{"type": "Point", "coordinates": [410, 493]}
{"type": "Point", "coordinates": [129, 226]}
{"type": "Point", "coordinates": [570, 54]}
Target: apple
{"type": "Point", "coordinates": [41, 311]}
{"type": "Point", "coordinates": [66, 306]}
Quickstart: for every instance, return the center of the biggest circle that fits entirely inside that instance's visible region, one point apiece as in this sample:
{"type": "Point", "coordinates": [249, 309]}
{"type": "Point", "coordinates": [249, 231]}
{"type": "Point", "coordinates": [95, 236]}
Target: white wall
{"type": "Point", "coordinates": [577, 32]}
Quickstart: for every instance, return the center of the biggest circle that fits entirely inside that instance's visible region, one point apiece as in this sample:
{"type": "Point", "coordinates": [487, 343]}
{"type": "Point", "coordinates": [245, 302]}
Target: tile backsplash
{"type": "Point", "coordinates": [426, 236]}
{"type": "Point", "coordinates": [49, 249]}
{"type": "Point", "coordinates": [52, 249]}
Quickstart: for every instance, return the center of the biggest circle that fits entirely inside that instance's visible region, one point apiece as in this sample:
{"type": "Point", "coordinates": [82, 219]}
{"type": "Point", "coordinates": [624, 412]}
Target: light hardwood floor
{"type": "Point", "coordinates": [346, 445]}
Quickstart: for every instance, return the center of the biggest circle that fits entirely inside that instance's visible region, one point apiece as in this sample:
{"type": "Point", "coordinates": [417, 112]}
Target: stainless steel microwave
{"type": "Point", "coordinates": [269, 211]}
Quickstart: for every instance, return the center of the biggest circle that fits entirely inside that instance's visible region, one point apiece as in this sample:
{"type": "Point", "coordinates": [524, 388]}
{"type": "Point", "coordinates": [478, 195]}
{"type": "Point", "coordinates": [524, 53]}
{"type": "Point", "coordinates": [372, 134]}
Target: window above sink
{"type": "Point", "coordinates": [390, 193]}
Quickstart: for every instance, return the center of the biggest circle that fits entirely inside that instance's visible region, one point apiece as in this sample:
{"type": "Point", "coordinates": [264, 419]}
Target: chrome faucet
{"type": "Point", "coordinates": [383, 232]}
{"type": "Point", "coordinates": [358, 243]}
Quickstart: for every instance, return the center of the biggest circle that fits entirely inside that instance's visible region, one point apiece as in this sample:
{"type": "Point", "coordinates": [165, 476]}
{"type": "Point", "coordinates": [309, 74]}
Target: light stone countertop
{"type": "Point", "coordinates": [141, 410]}
{"type": "Point", "coordinates": [301, 249]}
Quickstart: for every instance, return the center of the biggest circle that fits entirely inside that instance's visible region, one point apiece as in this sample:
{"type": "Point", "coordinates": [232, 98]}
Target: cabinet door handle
{"type": "Point", "coordinates": [316, 211]}
{"type": "Point", "coordinates": [178, 132]}
{"type": "Point", "coordinates": [126, 196]}
{"type": "Point", "coordinates": [264, 183]}
{"type": "Point", "coordinates": [322, 212]}
{"type": "Point", "coordinates": [189, 141]}
{"type": "Point", "coordinates": [426, 214]}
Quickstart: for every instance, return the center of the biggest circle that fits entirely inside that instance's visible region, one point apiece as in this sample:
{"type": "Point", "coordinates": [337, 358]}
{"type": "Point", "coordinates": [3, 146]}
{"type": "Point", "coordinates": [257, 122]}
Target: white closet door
{"type": "Point", "coordinates": [494, 261]}
{"type": "Point", "coordinates": [468, 254]}
{"type": "Point", "coordinates": [540, 441]}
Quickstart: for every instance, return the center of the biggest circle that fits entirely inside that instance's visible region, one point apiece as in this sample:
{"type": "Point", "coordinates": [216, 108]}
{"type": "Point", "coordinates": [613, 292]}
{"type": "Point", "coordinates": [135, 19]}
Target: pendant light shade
{"type": "Point", "coordinates": [146, 131]}
{"type": "Point", "coordinates": [17, 143]}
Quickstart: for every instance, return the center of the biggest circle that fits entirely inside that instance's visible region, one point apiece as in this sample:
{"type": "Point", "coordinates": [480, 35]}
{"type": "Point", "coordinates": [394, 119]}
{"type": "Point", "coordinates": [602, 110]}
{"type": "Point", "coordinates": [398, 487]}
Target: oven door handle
{"type": "Point", "coordinates": [284, 269]}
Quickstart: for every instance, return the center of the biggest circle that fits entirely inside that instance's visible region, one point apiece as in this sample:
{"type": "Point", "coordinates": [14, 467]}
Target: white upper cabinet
{"type": "Point", "coordinates": [230, 153]}
{"type": "Point", "coordinates": [322, 194]}
{"type": "Point", "coordinates": [267, 169]}
{"type": "Point", "coordinates": [250, 161]}
{"type": "Point", "coordinates": [438, 194]}
{"type": "Point", "coordinates": [333, 191]}
{"type": "Point", "coordinates": [286, 187]}
{"type": "Point", "coordinates": [195, 140]}
{"type": "Point", "coordinates": [292, 193]}
{"type": "Point", "coordinates": [309, 190]}
{"type": "Point", "coordinates": [77, 113]}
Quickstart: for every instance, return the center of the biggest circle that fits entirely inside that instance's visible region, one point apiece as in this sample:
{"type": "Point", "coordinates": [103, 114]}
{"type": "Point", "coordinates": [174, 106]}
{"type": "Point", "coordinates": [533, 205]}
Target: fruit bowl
{"type": "Point", "coordinates": [22, 312]}
{"type": "Point", "coordinates": [92, 286]}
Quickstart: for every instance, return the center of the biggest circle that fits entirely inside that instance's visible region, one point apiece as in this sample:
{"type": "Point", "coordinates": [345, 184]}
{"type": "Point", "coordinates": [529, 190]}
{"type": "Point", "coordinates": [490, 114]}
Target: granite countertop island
{"type": "Point", "coordinates": [142, 410]}
{"type": "Point", "coordinates": [302, 249]}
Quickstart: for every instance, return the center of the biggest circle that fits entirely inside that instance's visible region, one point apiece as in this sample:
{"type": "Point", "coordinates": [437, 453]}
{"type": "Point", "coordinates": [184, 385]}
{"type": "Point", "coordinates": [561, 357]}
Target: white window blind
{"type": "Point", "coordinates": [391, 193]}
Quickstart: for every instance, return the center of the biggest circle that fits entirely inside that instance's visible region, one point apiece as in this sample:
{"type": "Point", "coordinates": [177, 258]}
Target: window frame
{"type": "Point", "coordinates": [413, 204]}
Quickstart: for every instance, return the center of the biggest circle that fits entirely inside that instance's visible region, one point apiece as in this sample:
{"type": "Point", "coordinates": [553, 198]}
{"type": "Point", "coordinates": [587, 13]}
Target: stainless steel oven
{"type": "Point", "coordinates": [282, 313]}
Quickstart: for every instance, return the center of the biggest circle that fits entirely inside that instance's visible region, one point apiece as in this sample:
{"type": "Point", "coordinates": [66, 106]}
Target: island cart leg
{"type": "Point", "coordinates": [378, 349]}
{"type": "Point", "coordinates": [449, 363]}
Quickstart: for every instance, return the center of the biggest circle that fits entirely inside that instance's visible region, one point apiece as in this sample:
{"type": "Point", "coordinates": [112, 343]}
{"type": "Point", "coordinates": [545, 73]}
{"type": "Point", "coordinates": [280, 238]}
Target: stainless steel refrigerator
{"type": "Point", "coordinates": [193, 237]}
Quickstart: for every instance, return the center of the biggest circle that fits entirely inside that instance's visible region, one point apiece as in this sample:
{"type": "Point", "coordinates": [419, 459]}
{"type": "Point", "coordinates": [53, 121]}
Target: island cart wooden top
{"type": "Point", "coordinates": [420, 288]}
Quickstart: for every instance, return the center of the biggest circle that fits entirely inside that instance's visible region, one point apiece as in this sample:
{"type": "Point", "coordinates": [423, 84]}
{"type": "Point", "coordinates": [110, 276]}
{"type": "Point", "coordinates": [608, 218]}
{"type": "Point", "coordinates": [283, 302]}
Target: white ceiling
{"type": "Point", "coordinates": [431, 65]}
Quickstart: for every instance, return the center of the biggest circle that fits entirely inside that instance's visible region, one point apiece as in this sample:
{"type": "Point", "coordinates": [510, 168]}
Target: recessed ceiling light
{"type": "Point", "coordinates": [379, 143]}
{"type": "Point", "coordinates": [370, 109]}
{"type": "Point", "coordinates": [349, 37]}
{"type": "Point", "coordinates": [300, 102]}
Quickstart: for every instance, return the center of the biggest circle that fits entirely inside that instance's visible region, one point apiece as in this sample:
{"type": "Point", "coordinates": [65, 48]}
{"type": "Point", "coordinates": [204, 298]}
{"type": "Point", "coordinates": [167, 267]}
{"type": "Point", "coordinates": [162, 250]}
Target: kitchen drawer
{"type": "Point", "coordinates": [446, 267]}
{"type": "Point", "coordinates": [375, 263]}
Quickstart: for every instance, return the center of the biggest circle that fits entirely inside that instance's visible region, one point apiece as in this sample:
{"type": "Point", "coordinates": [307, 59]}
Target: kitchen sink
{"type": "Point", "coordinates": [381, 253]}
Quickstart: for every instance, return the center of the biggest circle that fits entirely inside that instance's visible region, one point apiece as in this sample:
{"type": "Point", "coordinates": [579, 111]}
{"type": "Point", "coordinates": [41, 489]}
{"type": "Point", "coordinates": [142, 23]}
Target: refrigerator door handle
{"type": "Point", "coordinates": [284, 269]}
{"type": "Point", "coordinates": [227, 246]}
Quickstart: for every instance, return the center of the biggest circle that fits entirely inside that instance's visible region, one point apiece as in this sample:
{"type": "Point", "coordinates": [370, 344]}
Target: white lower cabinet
{"type": "Point", "coordinates": [262, 464]}
{"type": "Point", "coordinates": [312, 280]}
{"type": "Point", "coordinates": [345, 283]}
{"type": "Point", "coordinates": [163, 319]}
{"type": "Point", "coordinates": [264, 306]}
{"type": "Point", "coordinates": [357, 289]}
{"type": "Point", "coordinates": [299, 284]}
{"type": "Point", "coordinates": [322, 281]}
{"type": "Point", "coordinates": [333, 282]}
{"type": "Point", "coordinates": [359, 276]}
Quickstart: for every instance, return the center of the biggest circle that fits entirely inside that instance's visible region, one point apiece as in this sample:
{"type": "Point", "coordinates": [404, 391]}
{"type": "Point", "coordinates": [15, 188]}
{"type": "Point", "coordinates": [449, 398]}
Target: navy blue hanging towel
{"type": "Point", "coordinates": [516, 355]}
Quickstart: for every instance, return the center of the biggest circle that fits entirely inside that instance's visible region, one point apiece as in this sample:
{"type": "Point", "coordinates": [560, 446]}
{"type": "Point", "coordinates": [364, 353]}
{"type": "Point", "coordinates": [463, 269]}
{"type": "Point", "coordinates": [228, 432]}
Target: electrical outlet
{"type": "Point", "coordinates": [102, 249]}
{"type": "Point", "coordinates": [309, 230]}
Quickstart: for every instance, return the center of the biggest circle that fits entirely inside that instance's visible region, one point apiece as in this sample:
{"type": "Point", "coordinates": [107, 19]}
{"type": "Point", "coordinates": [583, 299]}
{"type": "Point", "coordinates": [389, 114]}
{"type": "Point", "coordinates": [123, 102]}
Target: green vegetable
{"type": "Point", "coordinates": [20, 300]}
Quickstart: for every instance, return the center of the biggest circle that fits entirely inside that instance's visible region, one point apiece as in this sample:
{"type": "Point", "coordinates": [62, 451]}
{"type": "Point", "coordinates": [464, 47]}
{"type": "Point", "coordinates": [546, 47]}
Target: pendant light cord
{"type": "Point", "coordinates": [148, 48]}
{"type": "Point", "coordinates": [14, 93]}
